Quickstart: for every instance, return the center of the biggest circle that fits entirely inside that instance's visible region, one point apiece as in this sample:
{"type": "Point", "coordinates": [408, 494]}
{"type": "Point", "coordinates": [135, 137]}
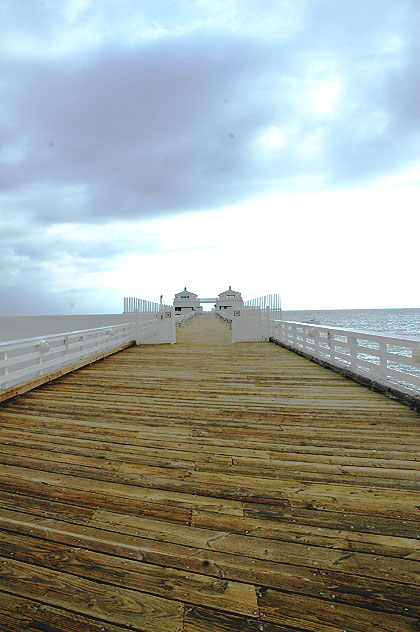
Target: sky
{"type": "Point", "coordinates": [149, 145]}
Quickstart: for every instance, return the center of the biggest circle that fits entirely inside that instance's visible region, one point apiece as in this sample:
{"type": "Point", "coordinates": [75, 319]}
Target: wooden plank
{"type": "Point", "coordinates": [17, 611]}
{"type": "Point", "coordinates": [207, 620]}
{"type": "Point", "coordinates": [233, 567]}
{"type": "Point", "coordinates": [78, 487]}
{"type": "Point", "coordinates": [110, 454]}
{"type": "Point", "coordinates": [316, 518]}
{"type": "Point", "coordinates": [11, 625]}
{"type": "Point", "coordinates": [362, 591]}
{"type": "Point", "coordinates": [384, 477]}
{"type": "Point", "coordinates": [348, 467]}
{"type": "Point", "coordinates": [392, 546]}
{"type": "Point", "coordinates": [183, 586]}
{"type": "Point", "coordinates": [50, 619]}
{"type": "Point", "coordinates": [323, 616]}
{"type": "Point", "coordinates": [154, 504]}
{"type": "Point", "coordinates": [316, 557]}
{"type": "Point", "coordinates": [41, 507]}
{"type": "Point", "coordinates": [219, 445]}
{"type": "Point", "coordinates": [105, 602]}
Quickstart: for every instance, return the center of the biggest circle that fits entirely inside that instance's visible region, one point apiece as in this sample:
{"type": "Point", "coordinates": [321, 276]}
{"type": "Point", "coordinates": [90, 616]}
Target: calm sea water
{"type": "Point", "coordinates": [403, 322]}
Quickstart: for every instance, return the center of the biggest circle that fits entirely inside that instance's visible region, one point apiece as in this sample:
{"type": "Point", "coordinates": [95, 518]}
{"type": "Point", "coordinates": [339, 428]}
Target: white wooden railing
{"type": "Point", "coordinates": [22, 361]}
{"type": "Point", "coordinates": [224, 315]}
{"type": "Point", "coordinates": [393, 361]}
{"type": "Point", "coordinates": [29, 362]}
{"type": "Point", "coordinates": [184, 317]}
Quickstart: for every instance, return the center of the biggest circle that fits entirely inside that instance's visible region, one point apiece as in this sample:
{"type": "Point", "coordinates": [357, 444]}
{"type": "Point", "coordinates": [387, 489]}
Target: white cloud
{"type": "Point", "coordinates": [323, 96]}
{"type": "Point", "coordinates": [316, 250]}
{"type": "Point", "coordinates": [271, 137]}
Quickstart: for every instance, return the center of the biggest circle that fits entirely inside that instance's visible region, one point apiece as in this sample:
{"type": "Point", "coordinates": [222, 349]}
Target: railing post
{"type": "Point", "coordinates": [383, 362]}
{"type": "Point", "coordinates": [316, 341]}
{"type": "Point", "coordinates": [5, 370]}
{"type": "Point", "coordinates": [43, 347]}
{"type": "Point", "coordinates": [331, 343]}
{"type": "Point", "coordinates": [353, 347]}
{"type": "Point", "coordinates": [305, 335]}
{"type": "Point", "coordinates": [267, 332]}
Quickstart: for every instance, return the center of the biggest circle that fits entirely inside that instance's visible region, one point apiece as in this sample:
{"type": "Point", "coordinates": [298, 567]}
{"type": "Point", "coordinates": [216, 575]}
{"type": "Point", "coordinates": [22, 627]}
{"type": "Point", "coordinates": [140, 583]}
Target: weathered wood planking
{"type": "Point", "coordinates": [208, 487]}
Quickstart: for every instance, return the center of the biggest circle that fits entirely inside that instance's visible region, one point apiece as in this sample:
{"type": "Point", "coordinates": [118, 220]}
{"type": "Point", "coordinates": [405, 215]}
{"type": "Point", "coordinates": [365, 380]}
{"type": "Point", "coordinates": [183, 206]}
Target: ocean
{"type": "Point", "coordinates": [18, 327]}
{"type": "Point", "coordinates": [401, 322]}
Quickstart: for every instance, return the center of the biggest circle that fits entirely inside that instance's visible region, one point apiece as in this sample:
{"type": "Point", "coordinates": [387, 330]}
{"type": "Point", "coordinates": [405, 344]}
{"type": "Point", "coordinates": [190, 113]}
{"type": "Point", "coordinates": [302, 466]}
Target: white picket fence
{"type": "Point", "coordinates": [392, 361]}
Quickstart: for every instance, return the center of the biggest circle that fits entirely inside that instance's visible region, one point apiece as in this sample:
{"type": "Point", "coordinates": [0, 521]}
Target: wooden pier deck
{"type": "Point", "coordinates": [208, 487]}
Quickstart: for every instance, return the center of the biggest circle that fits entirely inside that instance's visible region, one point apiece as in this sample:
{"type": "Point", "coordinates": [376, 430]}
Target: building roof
{"type": "Point", "coordinates": [185, 291]}
{"type": "Point", "coordinates": [230, 291]}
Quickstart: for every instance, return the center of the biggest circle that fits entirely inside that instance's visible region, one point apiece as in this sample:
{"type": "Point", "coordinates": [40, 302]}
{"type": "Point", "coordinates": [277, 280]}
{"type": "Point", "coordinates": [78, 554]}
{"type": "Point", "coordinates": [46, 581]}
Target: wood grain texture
{"type": "Point", "coordinates": [206, 486]}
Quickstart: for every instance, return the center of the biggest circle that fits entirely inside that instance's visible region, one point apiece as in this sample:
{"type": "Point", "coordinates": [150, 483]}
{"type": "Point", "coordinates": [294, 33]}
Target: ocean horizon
{"type": "Point", "coordinates": [391, 321]}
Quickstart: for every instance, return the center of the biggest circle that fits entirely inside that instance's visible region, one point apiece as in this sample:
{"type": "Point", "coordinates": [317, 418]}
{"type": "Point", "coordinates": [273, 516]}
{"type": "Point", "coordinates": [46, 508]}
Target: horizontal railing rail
{"type": "Point", "coordinates": [392, 361]}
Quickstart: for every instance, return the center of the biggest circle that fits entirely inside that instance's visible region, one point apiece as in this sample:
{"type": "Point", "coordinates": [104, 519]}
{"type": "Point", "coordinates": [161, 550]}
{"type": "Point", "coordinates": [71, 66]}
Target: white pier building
{"type": "Point", "coordinates": [187, 301]}
{"type": "Point", "coordinates": [228, 301]}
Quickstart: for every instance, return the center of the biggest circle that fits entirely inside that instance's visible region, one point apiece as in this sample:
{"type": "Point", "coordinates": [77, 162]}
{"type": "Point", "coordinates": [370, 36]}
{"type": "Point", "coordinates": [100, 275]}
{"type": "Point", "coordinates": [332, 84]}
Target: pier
{"type": "Point", "coordinates": [208, 486]}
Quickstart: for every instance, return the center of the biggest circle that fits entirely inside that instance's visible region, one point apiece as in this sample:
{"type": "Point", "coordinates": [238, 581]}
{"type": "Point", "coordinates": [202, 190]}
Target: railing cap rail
{"type": "Point", "coordinates": [7, 343]}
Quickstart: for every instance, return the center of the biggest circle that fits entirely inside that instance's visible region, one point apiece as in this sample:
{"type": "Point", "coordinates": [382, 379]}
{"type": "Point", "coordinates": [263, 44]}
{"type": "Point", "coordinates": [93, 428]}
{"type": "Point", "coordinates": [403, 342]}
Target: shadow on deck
{"type": "Point", "coordinates": [208, 487]}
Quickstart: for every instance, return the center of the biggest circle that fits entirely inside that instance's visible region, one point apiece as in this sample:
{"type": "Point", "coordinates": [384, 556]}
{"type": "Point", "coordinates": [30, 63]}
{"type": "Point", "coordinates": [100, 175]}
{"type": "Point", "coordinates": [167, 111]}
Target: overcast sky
{"type": "Point", "coordinates": [148, 145]}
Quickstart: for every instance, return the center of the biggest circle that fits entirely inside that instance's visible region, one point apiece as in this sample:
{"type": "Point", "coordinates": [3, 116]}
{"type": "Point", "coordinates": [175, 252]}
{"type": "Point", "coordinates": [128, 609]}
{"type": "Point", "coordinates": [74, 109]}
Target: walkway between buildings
{"type": "Point", "coordinates": [208, 487]}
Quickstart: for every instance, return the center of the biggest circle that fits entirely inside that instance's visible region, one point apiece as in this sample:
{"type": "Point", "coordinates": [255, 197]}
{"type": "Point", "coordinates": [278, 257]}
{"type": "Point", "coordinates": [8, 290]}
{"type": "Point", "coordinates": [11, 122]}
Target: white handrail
{"type": "Point", "coordinates": [24, 360]}
{"type": "Point", "coordinates": [224, 316]}
{"type": "Point", "coordinates": [392, 361]}
{"type": "Point", "coordinates": [184, 317]}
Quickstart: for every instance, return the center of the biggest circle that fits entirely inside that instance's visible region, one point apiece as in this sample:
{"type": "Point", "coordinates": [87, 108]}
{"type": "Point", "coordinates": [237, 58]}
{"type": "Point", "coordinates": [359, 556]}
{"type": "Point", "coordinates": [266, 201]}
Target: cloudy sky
{"type": "Point", "coordinates": [271, 145]}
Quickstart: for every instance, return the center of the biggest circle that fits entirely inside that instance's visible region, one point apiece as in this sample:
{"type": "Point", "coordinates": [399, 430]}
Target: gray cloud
{"type": "Point", "coordinates": [144, 131]}
{"type": "Point", "coordinates": [170, 125]}
{"type": "Point", "coordinates": [109, 114]}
